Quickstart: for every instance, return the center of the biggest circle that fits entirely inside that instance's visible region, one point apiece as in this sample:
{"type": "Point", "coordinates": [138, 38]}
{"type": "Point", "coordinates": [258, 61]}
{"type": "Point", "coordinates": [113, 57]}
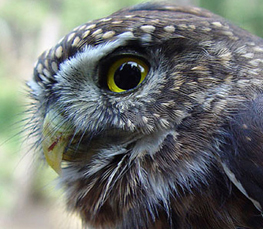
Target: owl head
{"type": "Point", "coordinates": [127, 108]}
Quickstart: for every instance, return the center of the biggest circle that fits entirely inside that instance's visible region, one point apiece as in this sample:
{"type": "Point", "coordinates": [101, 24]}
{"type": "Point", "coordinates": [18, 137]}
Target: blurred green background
{"type": "Point", "coordinates": [28, 196]}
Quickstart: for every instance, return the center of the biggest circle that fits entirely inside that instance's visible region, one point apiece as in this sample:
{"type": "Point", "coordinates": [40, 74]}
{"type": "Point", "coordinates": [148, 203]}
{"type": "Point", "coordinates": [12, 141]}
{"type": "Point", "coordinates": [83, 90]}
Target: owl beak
{"type": "Point", "coordinates": [55, 140]}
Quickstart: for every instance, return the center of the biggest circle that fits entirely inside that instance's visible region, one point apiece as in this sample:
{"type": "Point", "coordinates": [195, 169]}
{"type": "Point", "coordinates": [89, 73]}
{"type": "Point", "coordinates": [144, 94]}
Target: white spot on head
{"type": "Point", "coordinates": [96, 32]}
{"type": "Point", "coordinates": [85, 34]}
{"type": "Point", "coordinates": [105, 19]}
{"type": "Point", "coordinates": [46, 62]}
{"type": "Point", "coordinates": [108, 35]}
{"type": "Point", "coordinates": [58, 52]}
{"type": "Point", "coordinates": [129, 16]}
{"type": "Point", "coordinates": [46, 73]}
{"type": "Point", "coordinates": [43, 78]}
{"type": "Point", "coordinates": [217, 24]}
{"type": "Point", "coordinates": [182, 26]}
{"type": "Point", "coordinates": [148, 28]}
{"type": "Point", "coordinates": [39, 67]}
{"type": "Point", "coordinates": [76, 41]}
{"type": "Point", "coordinates": [54, 66]}
{"type": "Point", "coordinates": [206, 29]}
{"type": "Point", "coordinates": [227, 33]}
{"type": "Point", "coordinates": [192, 27]}
{"type": "Point", "coordinates": [169, 28]}
{"type": "Point", "coordinates": [92, 26]}
{"type": "Point", "coordinates": [117, 22]}
{"type": "Point", "coordinates": [71, 36]}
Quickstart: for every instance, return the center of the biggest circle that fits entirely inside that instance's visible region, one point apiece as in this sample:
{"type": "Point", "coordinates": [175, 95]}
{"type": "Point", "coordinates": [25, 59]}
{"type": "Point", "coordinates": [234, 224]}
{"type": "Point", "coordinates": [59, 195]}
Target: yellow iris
{"type": "Point", "coordinates": [126, 73]}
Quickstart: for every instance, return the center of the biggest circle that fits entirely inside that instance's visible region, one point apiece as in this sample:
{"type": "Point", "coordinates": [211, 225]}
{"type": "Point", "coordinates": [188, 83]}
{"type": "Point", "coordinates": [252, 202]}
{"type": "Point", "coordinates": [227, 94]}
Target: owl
{"type": "Point", "coordinates": [153, 118]}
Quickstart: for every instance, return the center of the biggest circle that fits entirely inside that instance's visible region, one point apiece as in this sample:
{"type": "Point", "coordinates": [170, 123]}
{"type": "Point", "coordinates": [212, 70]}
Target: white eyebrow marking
{"type": "Point", "coordinates": [86, 60]}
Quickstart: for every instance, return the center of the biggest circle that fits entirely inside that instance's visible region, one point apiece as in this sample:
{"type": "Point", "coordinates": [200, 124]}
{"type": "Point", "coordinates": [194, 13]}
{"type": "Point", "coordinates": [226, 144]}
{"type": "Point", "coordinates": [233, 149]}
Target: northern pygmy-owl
{"type": "Point", "coordinates": [153, 117]}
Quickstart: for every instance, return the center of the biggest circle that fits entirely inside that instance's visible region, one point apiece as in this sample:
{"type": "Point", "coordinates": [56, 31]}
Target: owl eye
{"type": "Point", "coordinates": [126, 73]}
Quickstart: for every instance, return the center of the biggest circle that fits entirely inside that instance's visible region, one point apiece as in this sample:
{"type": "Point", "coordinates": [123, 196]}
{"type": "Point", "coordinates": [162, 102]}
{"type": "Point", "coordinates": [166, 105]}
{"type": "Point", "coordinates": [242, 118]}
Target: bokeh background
{"type": "Point", "coordinates": [28, 195]}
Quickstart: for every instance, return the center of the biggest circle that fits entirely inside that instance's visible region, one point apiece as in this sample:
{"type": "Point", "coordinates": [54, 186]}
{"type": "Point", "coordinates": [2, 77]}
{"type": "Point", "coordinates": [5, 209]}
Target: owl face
{"type": "Point", "coordinates": [126, 108]}
{"type": "Point", "coordinates": [106, 85]}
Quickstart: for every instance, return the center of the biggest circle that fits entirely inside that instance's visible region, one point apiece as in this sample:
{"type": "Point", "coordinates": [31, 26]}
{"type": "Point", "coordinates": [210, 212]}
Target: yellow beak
{"type": "Point", "coordinates": [55, 139]}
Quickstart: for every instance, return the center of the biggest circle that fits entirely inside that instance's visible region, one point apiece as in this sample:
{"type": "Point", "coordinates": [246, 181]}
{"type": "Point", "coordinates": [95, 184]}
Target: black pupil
{"type": "Point", "coordinates": [127, 76]}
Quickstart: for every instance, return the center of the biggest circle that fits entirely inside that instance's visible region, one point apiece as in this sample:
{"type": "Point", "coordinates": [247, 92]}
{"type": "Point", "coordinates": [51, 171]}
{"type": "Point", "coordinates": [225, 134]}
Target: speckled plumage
{"type": "Point", "coordinates": [183, 149]}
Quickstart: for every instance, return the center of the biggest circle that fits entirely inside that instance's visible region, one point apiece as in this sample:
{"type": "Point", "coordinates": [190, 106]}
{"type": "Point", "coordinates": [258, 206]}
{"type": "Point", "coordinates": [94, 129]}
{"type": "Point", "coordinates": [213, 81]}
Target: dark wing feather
{"type": "Point", "coordinates": [242, 154]}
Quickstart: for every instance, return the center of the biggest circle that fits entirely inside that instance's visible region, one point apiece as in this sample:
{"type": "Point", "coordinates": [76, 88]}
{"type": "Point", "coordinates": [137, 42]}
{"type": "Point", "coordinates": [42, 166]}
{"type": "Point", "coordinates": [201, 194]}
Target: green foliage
{"type": "Point", "coordinates": [74, 13]}
{"type": "Point", "coordinates": [24, 14]}
{"type": "Point", "coordinates": [10, 106]}
{"type": "Point", "coordinates": [246, 14]}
